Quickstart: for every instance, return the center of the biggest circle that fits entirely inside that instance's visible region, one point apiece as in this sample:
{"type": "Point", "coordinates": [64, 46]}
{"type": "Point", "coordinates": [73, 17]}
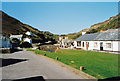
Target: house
{"type": "Point", "coordinates": [64, 41]}
{"type": "Point", "coordinates": [62, 38]}
{"type": "Point", "coordinates": [19, 37]}
{"type": "Point", "coordinates": [28, 40]}
{"type": "Point", "coordinates": [67, 42]}
{"type": "Point", "coordinates": [107, 41]}
{"type": "Point", "coordinates": [5, 42]}
{"type": "Point", "coordinates": [29, 33]}
{"type": "Point", "coordinates": [23, 38]}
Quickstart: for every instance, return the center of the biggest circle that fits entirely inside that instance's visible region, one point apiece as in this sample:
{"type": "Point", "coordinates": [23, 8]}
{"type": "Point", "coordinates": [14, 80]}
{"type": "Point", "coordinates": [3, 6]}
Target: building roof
{"type": "Point", "coordinates": [67, 40]}
{"type": "Point", "coordinates": [110, 35]}
{"type": "Point", "coordinates": [87, 37]}
{"type": "Point", "coordinates": [16, 36]}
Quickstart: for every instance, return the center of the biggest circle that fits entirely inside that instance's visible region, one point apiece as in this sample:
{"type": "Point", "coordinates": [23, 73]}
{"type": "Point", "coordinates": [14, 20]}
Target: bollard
{"type": "Point", "coordinates": [81, 68]}
{"type": "Point", "coordinates": [56, 58]}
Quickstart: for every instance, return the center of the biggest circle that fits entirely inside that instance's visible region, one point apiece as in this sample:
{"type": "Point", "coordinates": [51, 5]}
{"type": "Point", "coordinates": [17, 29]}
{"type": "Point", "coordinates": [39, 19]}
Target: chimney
{"type": "Point", "coordinates": [83, 33]}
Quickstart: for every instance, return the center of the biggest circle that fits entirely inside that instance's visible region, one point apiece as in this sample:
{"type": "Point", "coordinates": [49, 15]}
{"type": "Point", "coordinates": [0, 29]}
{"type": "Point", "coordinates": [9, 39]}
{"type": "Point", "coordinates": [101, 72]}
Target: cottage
{"type": "Point", "coordinates": [64, 41]}
{"type": "Point", "coordinates": [107, 41]}
{"type": "Point", "coordinates": [67, 42]}
{"type": "Point", "coordinates": [23, 38]}
{"type": "Point", "coordinates": [61, 38]}
{"type": "Point", "coordinates": [28, 40]}
{"type": "Point", "coordinates": [19, 37]}
{"type": "Point", "coordinates": [29, 33]}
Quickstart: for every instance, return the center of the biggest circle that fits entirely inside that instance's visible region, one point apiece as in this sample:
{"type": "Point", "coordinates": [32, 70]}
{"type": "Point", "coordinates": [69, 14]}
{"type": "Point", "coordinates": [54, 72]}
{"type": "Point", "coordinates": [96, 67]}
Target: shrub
{"type": "Point", "coordinates": [50, 48]}
{"type": "Point", "coordinates": [15, 40]}
{"type": "Point", "coordinates": [25, 45]}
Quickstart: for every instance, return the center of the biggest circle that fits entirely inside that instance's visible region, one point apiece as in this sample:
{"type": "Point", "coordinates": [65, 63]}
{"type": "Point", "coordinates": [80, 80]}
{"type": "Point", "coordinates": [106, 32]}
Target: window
{"type": "Point", "coordinates": [79, 43]}
{"type": "Point", "coordinates": [108, 45]}
{"type": "Point", "coordinates": [87, 43]}
{"type": "Point", "coordinates": [101, 44]}
{"type": "Point", "coordinates": [95, 44]}
{"type": "Point", "coordinates": [83, 44]}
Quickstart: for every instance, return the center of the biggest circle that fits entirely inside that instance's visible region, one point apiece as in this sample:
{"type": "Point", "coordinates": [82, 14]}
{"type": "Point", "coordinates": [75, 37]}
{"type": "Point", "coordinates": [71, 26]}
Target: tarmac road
{"type": "Point", "coordinates": [24, 64]}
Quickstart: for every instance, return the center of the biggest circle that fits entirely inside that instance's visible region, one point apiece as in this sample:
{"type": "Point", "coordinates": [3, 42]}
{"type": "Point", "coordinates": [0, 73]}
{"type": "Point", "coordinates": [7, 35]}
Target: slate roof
{"type": "Point", "coordinates": [88, 37]}
{"type": "Point", "coordinates": [67, 40]}
{"type": "Point", "coordinates": [110, 35]}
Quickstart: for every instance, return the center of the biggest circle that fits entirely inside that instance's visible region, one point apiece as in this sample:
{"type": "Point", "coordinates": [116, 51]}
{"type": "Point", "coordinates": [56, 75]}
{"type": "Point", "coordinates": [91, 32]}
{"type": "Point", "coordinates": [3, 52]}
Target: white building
{"type": "Point", "coordinates": [107, 41]}
{"type": "Point", "coordinates": [28, 40]}
{"type": "Point", "coordinates": [64, 41]}
{"type": "Point", "coordinates": [19, 37]}
{"type": "Point", "coordinates": [62, 38]}
{"type": "Point", "coordinates": [67, 42]}
{"type": "Point", "coordinates": [5, 42]}
{"type": "Point", "coordinates": [29, 33]}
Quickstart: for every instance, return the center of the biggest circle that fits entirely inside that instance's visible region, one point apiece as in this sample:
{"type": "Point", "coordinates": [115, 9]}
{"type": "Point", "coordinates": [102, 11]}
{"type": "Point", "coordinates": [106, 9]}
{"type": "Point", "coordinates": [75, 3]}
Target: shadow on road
{"type": "Point", "coordinates": [110, 79]}
{"type": "Point", "coordinates": [16, 50]}
{"type": "Point", "coordinates": [37, 78]}
{"type": "Point", "coordinates": [10, 61]}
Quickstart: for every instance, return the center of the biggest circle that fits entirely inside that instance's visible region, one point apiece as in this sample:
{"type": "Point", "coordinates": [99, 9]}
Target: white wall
{"type": "Point", "coordinates": [96, 47]}
{"type": "Point", "coordinates": [28, 40]}
{"type": "Point", "coordinates": [115, 45]}
{"type": "Point", "coordinates": [29, 33]}
{"type": "Point", "coordinates": [75, 43]}
{"type": "Point", "coordinates": [118, 45]}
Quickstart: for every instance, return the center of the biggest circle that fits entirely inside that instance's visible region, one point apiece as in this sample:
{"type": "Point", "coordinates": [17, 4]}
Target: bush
{"type": "Point", "coordinates": [25, 45]}
{"type": "Point", "coordinates": [50, 48]}
{"type": "Point", "coordinates": [15, 40]}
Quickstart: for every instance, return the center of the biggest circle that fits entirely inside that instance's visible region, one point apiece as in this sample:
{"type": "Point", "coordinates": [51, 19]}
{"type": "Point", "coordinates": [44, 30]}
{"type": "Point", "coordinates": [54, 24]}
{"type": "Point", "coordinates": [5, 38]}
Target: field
{"type": "Point", "coordinates": [98, 64]}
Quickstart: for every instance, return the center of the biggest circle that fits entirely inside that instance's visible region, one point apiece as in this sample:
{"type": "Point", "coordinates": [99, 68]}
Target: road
{"type": "Point", "coordinates": [24, 64]}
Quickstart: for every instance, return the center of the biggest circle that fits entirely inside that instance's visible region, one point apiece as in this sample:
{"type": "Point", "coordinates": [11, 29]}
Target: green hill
{"type": "Point", "coordinates": [13, 26]}
{"type": "Point", "coordinates": [111, 23]}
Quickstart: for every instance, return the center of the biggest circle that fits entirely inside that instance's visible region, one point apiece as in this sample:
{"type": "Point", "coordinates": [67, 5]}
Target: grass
{"type": "Point", "coordinates": [98, 64]}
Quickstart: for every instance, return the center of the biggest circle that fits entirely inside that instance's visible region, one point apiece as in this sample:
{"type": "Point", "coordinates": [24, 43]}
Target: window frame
{"type": "Point", "coordinates": [107, 45]}
{"type": "Point", "coordinates": [95, 44]}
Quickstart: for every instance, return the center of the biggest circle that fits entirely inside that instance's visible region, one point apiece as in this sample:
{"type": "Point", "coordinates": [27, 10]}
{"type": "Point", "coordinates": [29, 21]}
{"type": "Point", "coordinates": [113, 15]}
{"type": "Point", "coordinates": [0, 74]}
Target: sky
{"type": "Point", "coordinates": [60, 0]}
{"type": "Point", "coordinates": [61, 17]}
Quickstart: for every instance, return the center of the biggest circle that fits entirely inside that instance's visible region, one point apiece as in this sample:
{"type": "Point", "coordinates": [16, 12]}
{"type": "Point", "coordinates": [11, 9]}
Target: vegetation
{"type": "Point", "coordinates": [74, 35]}
{"type": "Point", "coordinates": [24, 44]}
{"type": "Point", "coordinates": [98, 64]}
{"type": "Point", "coordinates": [50, 48]}
{"type": "Point", "coordinates": [112, 23]}
{"type": "Point", "coordinates": [13, 26]}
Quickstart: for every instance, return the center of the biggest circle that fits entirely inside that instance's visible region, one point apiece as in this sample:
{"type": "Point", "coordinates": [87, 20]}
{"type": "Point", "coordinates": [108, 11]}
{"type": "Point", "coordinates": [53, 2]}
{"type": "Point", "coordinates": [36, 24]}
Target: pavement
{"type": "Point", "coordinates": [24, 64]}
{"type": "Point", "coordinates": [113, 52]}
{"type": "Point", "coordinates": [107, 51]}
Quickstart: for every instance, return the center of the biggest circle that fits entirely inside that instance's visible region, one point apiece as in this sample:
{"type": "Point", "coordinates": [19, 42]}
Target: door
{"type": "Point", "coordinates": [101, 45]}
{"type": "Point", "coordinates": [87, 45]}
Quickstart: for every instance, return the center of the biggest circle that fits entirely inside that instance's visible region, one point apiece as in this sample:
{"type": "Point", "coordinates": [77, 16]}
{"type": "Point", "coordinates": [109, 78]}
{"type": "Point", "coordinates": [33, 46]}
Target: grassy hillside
{"type": "Point", "coordinates": [11, 25]}
{"type": "Point", "coordinates": [112, 23]}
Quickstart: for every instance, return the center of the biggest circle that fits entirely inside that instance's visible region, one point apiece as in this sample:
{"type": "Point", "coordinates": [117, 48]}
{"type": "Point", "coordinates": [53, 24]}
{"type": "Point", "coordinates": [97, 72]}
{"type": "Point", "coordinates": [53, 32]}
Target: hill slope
{"type": "Point", "coordinates": [112, 23]}
{"type": "Point", "coordinates": [11, 25]}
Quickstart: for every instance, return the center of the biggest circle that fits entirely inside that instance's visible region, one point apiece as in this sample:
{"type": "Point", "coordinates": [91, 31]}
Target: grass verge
{"type": "Point", "coordinates": [98, 64]}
